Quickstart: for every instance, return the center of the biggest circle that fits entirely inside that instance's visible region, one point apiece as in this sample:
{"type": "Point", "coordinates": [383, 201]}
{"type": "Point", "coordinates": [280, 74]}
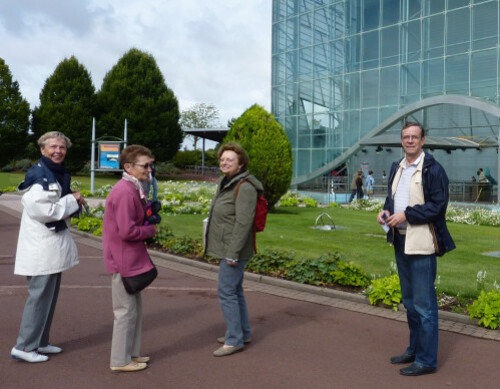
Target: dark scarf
{"type": "Point", "coordinates": [226, 180]}
{"type": "Point", "coordinates": [60, 174]}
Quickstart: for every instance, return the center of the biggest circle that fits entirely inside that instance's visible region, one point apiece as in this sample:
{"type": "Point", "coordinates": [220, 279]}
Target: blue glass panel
{"type": "Point", "coordinates": [433, 44]}
{"type": "Point", "coordinates": [291, 62]}
{"type": "Point", "coordinates": [322, 23]}
{"type": "Point", "coordinates": [371, 14]}
{"type": "Point", "coordinates": [279, 69]}
{"type": "Point", "coordinates": [337, 85]}
{"type": "Point", "coordinates": [389, 86]}
{"type": "Point", "coordinates": [458, 31]}
{"type": "Point", "coordinates": [291, 7]}
{"type": "Point", "coordinates": [353, 53]}
{"type": "Point", "coordinates": [414, 9]}
{"type": "Point", "coordinates": [279, 37]}
{"type": "Point", "coordinates": [352, 91]}
{"type": "Point", "coordinates": [319, 156]}
{"type": "Point", "coordinates": [303, 162]}
{"type": "Point", "coordinates": [411, 40]}
{"type": "Point", "coordinates": [305, 5]}
{"type": "Point", "coordinates": [390, 12]}
{"type": "Point", "coordinates": [453, 4]}
{"type": "Point", "coordinates": [369, 120]}
{"type": "Point", "coordinates": [370, 49]}
{"type": "Point", "coordinates": [390, 45]}
{"type": "Point", "coordinates": [278, 101]}
{"type": "Point", "coordinates": [410, 82]}
{"type": "Point", "coordinates": [321, 60]}
{"type": "Point", "coordinates": [485, 25]}
{"type": "Point", "coordinates": [338, 17]}
{"type": "Point", "coordinates": [457, 74]}
{"type": "Point", "coordinates": [305, 68]}
{"type": "Point", "coordinates": [292, 107]}
{"type": "Point", "coordinates": [370, 88]}
{"type": "Point", "coordinates": [305, 30]}
{"type": "Point", "coordinates": [337, 56]}
{"type": "Point", "coordinates": [432, 77]}
{"type": "Point", "coordinates": [322, 98]}
{"type": "Point", "coordinates": [433, 6]}
{"type": "Point", "coordinates": [484, 66]}
{"type": "Point", "coordinates": [353, 19]}
{"type": "Point", "coordinates": [291, 33]}
{"type": "Point", "coordinates": [351, 129]}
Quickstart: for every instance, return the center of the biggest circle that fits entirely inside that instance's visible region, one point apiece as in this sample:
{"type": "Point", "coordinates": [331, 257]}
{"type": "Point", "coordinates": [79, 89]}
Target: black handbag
{"type": "Point", "coordinates": [137, 283]}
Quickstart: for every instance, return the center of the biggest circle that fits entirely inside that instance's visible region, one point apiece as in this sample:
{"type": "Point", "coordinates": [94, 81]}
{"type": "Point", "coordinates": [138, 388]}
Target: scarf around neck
{"type": "Point", "coordinates": [60, 174]}
{"type": "Point", "coordinates": [137, 184]}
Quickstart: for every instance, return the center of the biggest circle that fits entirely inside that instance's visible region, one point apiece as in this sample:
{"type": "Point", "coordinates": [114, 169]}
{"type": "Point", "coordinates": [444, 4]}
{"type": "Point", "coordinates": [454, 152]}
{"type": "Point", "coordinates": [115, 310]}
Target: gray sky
{"type": "Point", "coordinates": [214, 51]}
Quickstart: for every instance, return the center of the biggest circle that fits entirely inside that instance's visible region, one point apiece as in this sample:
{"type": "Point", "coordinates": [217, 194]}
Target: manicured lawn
{"type": "Point", "coordinates": [362, 240]}
{"type": "Point", "coordinates": [14, 179]}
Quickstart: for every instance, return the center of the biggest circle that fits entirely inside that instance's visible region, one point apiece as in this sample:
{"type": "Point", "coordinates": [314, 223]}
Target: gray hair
{"type": "Point", "coordinates": [53, 134]}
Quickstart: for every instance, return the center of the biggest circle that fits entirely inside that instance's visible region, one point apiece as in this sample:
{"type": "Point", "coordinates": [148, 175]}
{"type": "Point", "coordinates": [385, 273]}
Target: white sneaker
{"type": "Point", "coordinates": [49, 349]}
{"type": "Point", "coordinates": [28, 356]}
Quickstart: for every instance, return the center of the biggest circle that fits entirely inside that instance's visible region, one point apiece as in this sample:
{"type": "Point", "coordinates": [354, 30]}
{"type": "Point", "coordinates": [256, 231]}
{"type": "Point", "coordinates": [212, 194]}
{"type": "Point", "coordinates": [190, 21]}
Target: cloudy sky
{"type": "Point", "coordinates": [214, 51]}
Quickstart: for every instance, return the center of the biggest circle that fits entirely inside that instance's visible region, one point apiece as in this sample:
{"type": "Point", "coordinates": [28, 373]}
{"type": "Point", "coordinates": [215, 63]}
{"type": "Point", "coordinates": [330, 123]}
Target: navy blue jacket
{"type": "Point", "coordinates": [435, 186]}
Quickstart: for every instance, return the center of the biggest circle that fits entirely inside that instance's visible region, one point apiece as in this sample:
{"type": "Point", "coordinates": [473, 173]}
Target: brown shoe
{"type": "Point", "coordinates": [141, 359]}
{"type": "Point", "coordinates": [222, 340]}
{"type": "Point", "coordinates": [227, 350]}
{"type": "Point", "coordinates": [132, 366]}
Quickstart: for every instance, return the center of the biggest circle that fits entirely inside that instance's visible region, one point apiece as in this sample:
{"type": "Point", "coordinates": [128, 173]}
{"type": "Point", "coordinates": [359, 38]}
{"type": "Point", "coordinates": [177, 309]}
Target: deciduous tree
{"type": "Point", "coordinates": [200, 116]}
{"type": "Point", "coordinates": [269, 150]}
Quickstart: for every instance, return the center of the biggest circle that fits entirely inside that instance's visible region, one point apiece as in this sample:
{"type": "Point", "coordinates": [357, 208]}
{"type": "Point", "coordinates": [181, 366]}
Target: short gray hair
{"type": "Point", "coordinates": [53, 134]}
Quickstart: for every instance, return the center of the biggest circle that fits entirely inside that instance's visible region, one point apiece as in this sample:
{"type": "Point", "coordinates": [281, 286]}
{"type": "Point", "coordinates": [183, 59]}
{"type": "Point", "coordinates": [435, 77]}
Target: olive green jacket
{"type": "Point", "coordinates": [229, 231]}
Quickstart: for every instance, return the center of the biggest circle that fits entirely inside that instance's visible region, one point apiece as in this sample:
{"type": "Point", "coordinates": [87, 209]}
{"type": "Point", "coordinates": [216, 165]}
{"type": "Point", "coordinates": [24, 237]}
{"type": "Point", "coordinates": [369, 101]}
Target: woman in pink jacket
{"type": "Point", "coordinates": [125, 255]}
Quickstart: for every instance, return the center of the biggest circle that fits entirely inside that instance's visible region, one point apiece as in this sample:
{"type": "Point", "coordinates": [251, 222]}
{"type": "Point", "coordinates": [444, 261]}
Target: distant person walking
{"type": "Point", "coordinates": [369, 182]}
{"type": "Point", "coordinates": [415, 211]}
{"type": "Point", "coordinates": [229, 237]}
{"type": "Point", "coordinates": [359, 186]}
{"type": "Point", "coordinates": [45, 247]}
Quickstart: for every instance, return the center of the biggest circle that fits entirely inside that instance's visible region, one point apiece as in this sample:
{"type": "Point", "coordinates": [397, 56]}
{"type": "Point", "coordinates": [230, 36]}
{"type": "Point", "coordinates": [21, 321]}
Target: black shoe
{"type": "Point", "coordinates": [403, 358]}
{"type": "Point", "coordinates": [417, 369]}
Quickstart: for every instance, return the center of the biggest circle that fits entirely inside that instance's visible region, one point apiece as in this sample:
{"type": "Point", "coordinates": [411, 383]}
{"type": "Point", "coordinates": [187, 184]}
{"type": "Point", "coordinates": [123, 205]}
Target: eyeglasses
{"type": "Point", "coordinates": [412, 137]}
{"type": "Point", "coordinates": [145, 166]}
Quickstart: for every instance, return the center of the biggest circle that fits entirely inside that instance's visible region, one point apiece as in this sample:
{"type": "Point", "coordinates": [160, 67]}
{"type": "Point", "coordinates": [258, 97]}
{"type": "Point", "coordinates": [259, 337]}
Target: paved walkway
{"type": "Point", "coordinates": [304, 337]}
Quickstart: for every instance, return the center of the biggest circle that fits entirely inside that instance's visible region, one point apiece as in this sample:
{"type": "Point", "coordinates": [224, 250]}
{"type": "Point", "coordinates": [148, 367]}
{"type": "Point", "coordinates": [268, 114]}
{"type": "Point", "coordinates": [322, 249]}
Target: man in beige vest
{"type": "Point", "coordinates": [415, 211]}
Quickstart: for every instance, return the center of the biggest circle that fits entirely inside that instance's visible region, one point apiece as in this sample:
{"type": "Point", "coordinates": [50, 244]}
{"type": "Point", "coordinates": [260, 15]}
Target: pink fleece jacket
{"type": "Point", "coordinates": [123, 232]}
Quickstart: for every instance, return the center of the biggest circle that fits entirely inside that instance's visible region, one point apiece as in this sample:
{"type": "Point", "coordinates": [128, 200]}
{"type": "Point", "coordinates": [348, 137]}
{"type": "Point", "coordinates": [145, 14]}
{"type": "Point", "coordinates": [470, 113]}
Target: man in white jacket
{"type": "Point", "coordinates": [45, 247]}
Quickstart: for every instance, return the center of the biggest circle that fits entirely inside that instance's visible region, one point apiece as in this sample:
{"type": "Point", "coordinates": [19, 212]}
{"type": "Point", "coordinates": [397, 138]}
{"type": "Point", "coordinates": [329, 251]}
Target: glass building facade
{"type": "Point", "coordinates": [347, 70]}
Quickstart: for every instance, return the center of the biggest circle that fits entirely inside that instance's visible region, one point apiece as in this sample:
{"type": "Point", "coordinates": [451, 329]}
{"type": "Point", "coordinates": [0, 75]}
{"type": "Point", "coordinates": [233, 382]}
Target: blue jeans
{"type": "Point", "coordinates": [232, 302]}
{"type": "Point", "coordinates": [417, 274]}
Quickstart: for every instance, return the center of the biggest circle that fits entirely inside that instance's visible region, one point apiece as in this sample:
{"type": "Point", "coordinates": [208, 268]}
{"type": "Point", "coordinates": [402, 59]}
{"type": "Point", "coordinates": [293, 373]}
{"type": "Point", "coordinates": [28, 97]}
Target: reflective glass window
{"type": "Point", "coordinates": [371, 14]}
{"type": "Point", "coordinates": [322, 22]}
{"type": "Point", "coordinates": [303, 161]}
{"type": "Point", "coordinates": [484, 67]}
{"type": "Point", "coordinates": [453, 4]}
{"type": "Point", "coordinates": [432, 7]}
{"type": "Point", "coordinates": [410, 82]}
{"type": "Point", "coordinates": [305, 5]}
{"type": "Point", "coordinates": [318, 156]}
{"type": "Point", "coordinates": [412, 40]}
{"type": "Point", "coordinates": [432, 77]}
{"type": "Point", "coordinates": [352, 90]}
{"type": "Point", "coordinates": [305, 67]}
{"type": "Point", "coordinates": [389, 85]}
{"type": "Point", "coordinates": [291, 69]}
{"type": "Point", "coordinates": [291, 101]}
{"type": "Point", "coordinates": [305, 30]}
{"type": "Point", "coordinates": [390, 45]}
{"type": "Point", "coordinates": [279, 42]}
{"type": "Point", "coordinates": [370, 87]}
{"type": "Point", "coordinates": [337, 56]}
{"type": "Point", "coordinates": [279, 69]}
{"type": "Point", "coordinates": [290, 6]}
{"type": "Point", "coordinates": [321, 60]}
{"type": "Point", "coordinates": [433, 44]}
{"type": "Point", "coordinates": [338, 18]}
{"type": "Point", "coordinates": [351, 134]}
{"type": "Point", "coordinates": [278, 101]}
{"type": "Point", "coordinates": [353, 53]}
{"type": "Point", "coordinates": [291, 33]}
{"type": "Point", "coordinates": [369, 120]}
{"type": "Point", "coordinates": [485, 25]}
{"type": "Point", "coordinates": [337, 85]}
{"type": "Point", "coordinates": [353, 19]}
{"type": "Point", "coordinates": [370, 49]}
{"type": "Point", "coordinates": [414, 9]}
{"type": "Point", "coordinates": [458, 31]}
{"type": "Point", "coordinates": [279, 10]}
{"type": "Point", "coordinates": [322, 97]}
{"type": "Point", "coordinates": [390, 12]}
{"type": "Point", "coordinates": [457, 74]}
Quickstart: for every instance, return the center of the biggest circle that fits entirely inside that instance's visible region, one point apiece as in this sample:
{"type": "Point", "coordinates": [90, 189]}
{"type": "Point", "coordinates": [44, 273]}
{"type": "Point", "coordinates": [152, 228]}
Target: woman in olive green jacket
{"type": "Point", "coordinates": [229, 237]}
